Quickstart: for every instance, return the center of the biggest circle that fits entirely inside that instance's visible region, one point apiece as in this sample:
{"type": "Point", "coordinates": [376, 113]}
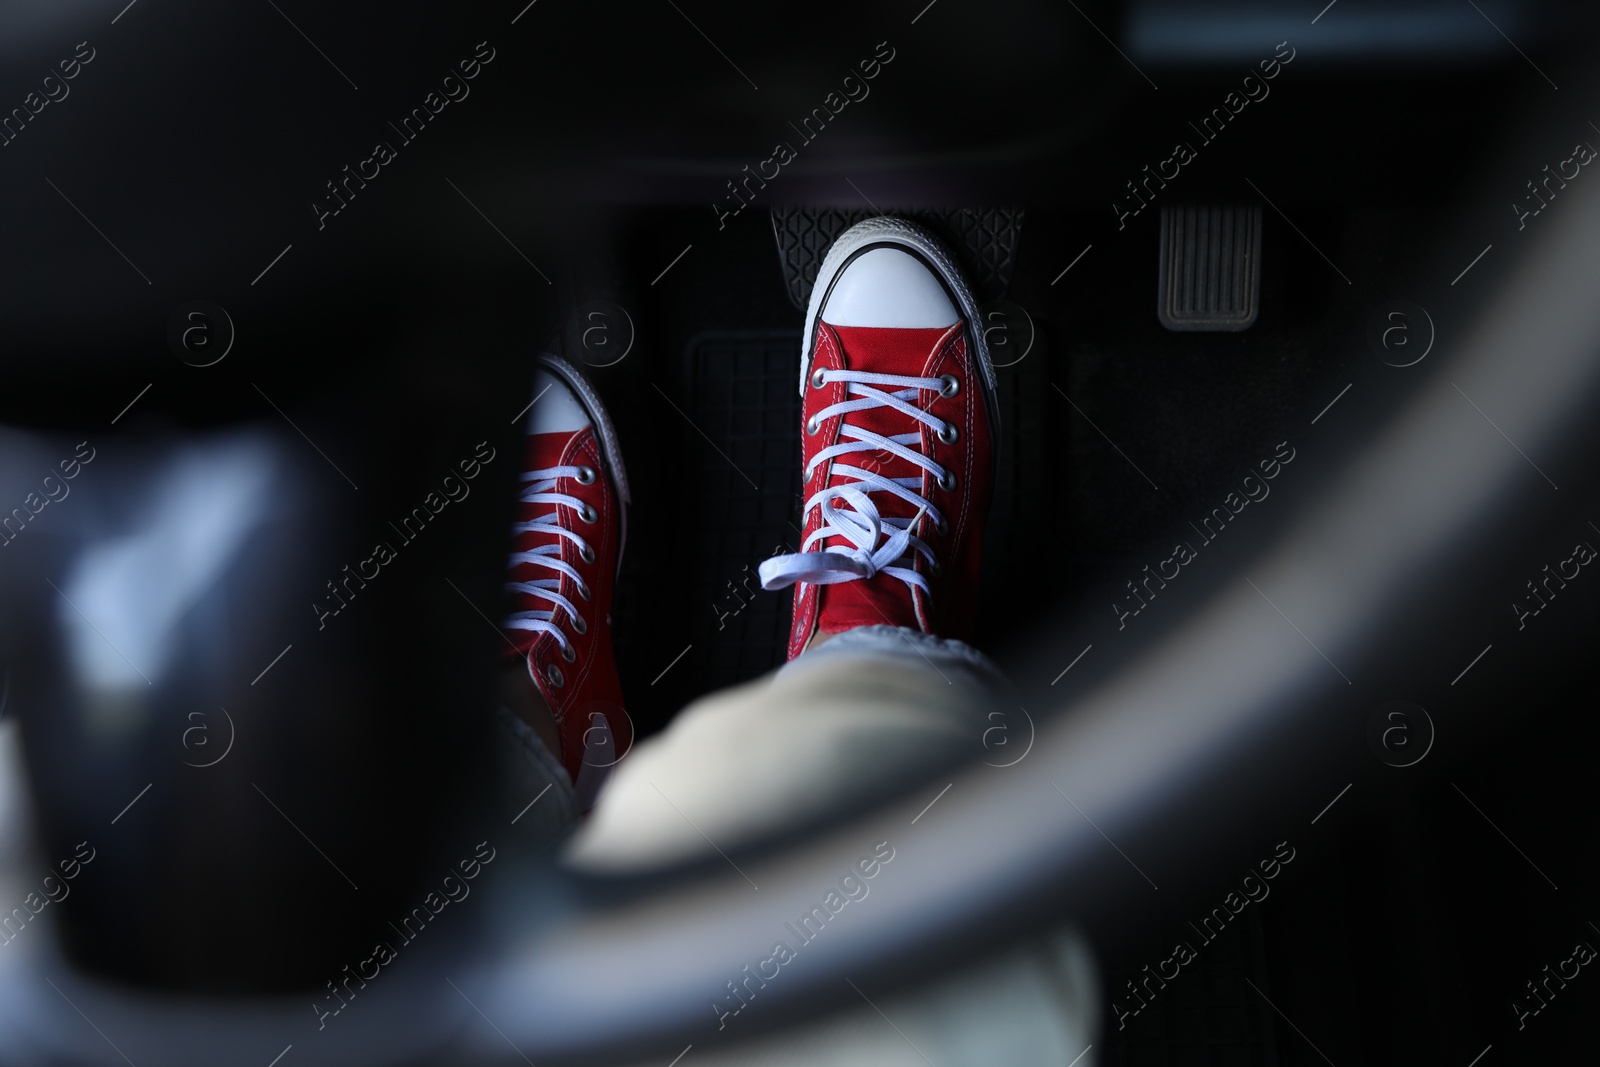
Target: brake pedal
{"type": "Point", "coordinates": [983, 240]}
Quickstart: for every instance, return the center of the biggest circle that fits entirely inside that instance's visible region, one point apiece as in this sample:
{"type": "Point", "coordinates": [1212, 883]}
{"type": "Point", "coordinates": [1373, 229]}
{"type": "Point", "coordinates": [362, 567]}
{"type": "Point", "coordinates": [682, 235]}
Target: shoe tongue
{"type": "Point", "coordinates": [883, 600]}
{"type": "Point", "coordinates": [887, 351]}
{"type": "Point", "coordinates": [542, 451]}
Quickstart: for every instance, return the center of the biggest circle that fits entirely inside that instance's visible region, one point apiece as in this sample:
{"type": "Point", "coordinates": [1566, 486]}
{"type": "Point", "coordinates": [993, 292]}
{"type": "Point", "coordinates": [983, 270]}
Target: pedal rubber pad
{"type": "Point", "coordinates": [983, 241]}
{"type": "Point", "coordinates": [1210, 267]}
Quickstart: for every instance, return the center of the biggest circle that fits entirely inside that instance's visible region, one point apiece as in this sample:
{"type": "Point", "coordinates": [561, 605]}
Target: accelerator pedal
{"type": "Point", "coordinates": [1210, 267]}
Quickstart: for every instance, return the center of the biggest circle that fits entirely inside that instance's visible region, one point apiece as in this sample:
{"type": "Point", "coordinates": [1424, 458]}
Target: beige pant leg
{"type": "Point", "coordinates": [822, 735]}
{"type": "Point", "coordinates": [764, 756]}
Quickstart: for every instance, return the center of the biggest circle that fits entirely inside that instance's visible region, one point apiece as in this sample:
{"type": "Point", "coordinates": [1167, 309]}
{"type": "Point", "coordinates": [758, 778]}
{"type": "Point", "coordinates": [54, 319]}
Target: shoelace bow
{"type": "Point", "coordinates": [540, 489]}
{"type": "Point", "coordinates": [878, 543]}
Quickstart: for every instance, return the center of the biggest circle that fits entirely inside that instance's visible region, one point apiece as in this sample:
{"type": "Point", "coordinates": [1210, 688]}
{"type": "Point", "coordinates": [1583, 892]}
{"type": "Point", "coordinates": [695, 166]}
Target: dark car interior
{"type": "Point", "coordinates": [263, 296]}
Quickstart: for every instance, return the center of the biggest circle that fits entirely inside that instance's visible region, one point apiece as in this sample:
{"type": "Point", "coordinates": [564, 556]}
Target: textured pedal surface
{"type": "Point", "coordinates": [1210, 267]}
{"type": "Point", "coordinates": [742, 396]}
{"type": "Point", "coordinates": [983, 240]}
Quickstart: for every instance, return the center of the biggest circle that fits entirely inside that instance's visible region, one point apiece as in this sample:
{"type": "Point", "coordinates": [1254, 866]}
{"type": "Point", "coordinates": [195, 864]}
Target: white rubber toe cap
{"type": "Point", "coordinates": [886, 287]}
{"type": "Point", "coordinates": [556, 410]}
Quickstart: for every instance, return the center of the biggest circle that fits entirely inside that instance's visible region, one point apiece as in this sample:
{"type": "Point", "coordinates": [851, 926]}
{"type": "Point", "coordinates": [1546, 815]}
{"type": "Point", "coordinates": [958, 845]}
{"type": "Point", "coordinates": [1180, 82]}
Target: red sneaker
{"type": "Point", "coordinates": [572, 523]}
{"type": "Point", "coordinates": [899, 408]}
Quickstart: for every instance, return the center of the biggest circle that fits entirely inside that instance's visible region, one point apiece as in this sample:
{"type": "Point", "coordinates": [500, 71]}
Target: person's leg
{"type": "Point", "coordinates": [838, 727]}
{"type": "Point", "coordinates": [560, 697]}
{"type": "Point", "coordinates": [897, 423]}
{"type": "Point", "coordinates": [879, 687]}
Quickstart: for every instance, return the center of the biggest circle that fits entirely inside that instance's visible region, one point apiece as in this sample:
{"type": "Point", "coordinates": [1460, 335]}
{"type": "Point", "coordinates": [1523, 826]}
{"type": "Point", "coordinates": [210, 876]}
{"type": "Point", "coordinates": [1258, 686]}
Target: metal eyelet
{"type": "Point", "coordinates": [583, 591]}
{"type": "Point", "coordinates": [569, 653]}
{"type": "Point", "coordinates": [935, 568]}
{"type": "Point", "coordinates": [812, 426]}
{"type": "Point", "coordinates": [585, 475]}
{"type": "Point", "coordinates": [950, 385]}
{"type": "Point", "coordinates": [942, 525]}
{"type": "Point", "coordinates": [948, 433]}
{"type": "Point", "coordinates": [553, 674]}
{"type": "Point", "coordinates": [587, 513]}
{"type": "Point", "coordinates": [586, 554]}
{"type": "Point", "coordinates": [947, 481]}
{"type": "Point", "coordinates": [579, 626]}
{"type": "Point", "coordinates": [819, 378]}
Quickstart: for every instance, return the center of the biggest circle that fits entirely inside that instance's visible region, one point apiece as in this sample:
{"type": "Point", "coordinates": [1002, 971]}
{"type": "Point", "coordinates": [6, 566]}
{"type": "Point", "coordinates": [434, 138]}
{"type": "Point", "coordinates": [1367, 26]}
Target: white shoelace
{"type": "Point", "coordinates": [540, 489]}
{"type": "Point", "coordinates": [881, 544]}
